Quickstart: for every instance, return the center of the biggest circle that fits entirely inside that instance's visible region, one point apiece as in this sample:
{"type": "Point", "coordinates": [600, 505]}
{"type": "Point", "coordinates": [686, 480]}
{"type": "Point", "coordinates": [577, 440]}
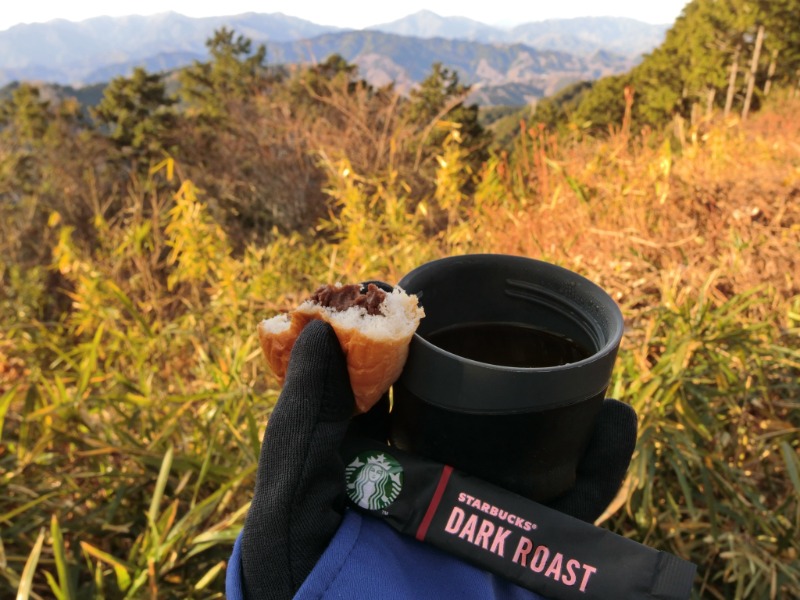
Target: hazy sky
{"type": "Point", "coordinates": [345, 14]}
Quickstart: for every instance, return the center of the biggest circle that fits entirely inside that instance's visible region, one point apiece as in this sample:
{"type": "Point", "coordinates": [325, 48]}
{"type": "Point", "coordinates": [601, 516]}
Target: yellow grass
{"type": "Point", "coordinates": [131, 424]}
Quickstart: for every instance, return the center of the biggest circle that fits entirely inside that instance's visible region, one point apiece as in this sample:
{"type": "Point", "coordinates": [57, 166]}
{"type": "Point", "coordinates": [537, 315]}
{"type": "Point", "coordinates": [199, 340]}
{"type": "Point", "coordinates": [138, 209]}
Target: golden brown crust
{"type": "Point", "coordinates": [277, 347]}
{"type": "Point", "coordinates": [373, 362]}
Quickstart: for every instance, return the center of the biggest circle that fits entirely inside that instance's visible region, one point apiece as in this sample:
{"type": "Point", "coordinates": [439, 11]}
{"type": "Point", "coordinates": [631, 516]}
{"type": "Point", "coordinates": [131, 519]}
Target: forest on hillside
{"type": "Point", "coordinates": [725, 55]}
{"type": "Point", "coordinates": [142, 241]}
{"type": "Point", "coordinates": [247, 133]}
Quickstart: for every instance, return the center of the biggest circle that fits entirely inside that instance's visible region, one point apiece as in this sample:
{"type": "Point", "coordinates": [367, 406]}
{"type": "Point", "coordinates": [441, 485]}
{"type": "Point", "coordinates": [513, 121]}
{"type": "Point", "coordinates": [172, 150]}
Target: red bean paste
{"type": "Point", "coordinates": [343, 297]}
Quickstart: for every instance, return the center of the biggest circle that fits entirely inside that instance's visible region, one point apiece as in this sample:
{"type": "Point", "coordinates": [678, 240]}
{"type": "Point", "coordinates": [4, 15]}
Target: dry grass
{"type": "Point", "coordinates": [131, 425]}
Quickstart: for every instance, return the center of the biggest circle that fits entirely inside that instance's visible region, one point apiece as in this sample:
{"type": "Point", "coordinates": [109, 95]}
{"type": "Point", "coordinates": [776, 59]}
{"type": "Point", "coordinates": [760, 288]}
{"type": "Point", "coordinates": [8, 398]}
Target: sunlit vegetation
{"type": "Point", "coordinates": [138, 254]}
{"type": "Point", "coordinates": [724, 55]}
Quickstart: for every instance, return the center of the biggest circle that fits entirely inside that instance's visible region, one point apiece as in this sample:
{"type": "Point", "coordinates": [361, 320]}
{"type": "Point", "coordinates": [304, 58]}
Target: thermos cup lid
{"type": "Point", "coordinates": [494, 288]}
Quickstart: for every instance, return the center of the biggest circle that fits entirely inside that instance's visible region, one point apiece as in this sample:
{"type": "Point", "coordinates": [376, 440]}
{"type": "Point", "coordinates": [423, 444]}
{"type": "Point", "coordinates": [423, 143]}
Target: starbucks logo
{"type": "Point", "coordinates": [374, 479]}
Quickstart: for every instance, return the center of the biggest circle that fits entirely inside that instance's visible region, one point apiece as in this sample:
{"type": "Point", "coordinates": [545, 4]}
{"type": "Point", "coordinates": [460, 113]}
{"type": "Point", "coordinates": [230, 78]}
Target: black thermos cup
{"type": "Point", "coordinates": [507, 370]}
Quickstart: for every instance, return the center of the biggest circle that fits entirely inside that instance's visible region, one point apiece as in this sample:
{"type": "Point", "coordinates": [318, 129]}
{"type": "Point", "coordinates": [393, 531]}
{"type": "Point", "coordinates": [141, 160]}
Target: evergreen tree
{"type": "Point", "coordinates": [440, 98]}
{"type": "Point", "coordinates": [697, 64]}
{"type": "Point", "coordinates": [51, 161]}
{"type": "Point", "coordinates": [311, 88]}
{"type": "Point", "coordinates": [234, 73]}
{"type": "Point", "coordinates": [334, 66]}
{"type": "Point", "coordinates": [781, 19]}
{"type": "Point", "coordinates": [604, 105]}
{"type": "Point", "coordinates": [559, 110]}
{"type": "Point", "coordinates": [27, 112]}
{"type": "Point", "coordinates": [138, 115]}
{"type": "Point", "coordinates": [24, 119]}
{"type": "Point", "coordinates": [32, 130]}
{"type": "Point", "coordinates": [240, 143]}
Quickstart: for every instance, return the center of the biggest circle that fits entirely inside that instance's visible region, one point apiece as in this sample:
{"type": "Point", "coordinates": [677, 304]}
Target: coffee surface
{"type": "Point", "coordinates": [509, 345]}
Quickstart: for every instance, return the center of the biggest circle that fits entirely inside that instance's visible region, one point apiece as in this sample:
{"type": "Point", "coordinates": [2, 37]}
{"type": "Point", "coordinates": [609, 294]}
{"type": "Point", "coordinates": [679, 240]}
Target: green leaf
{"type": "Point", "coordinates": [5, 402]}
{"type": "Point", "coordinates": [26, 581]}
{"type": "Point", "coordinates": [209, 576]}
{"type": "Point", "coordinates": [129, 306]}
{"type": "Point", "coordinates": [120, 570]}
{"type": "Point", "coordinates": [792, 465]}
{"type": "Point", "coordinates": [59, 554]}
{"type": "Point", "coordinates": [54, 587]}
{"type": "Point", "coordinates": [6, 517]}
{"type": "Point", "coordinates": [161, 484]}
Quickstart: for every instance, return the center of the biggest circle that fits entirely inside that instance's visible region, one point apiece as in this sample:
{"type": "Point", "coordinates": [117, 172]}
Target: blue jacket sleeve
{"type": "Point", "coordinates": [367, 559]}
{"type": "Point", "coordinates": [233, 574]}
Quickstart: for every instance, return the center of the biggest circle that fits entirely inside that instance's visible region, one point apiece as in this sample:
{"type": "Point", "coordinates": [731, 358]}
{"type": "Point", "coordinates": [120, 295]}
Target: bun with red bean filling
{"type": "Point", "coordinates": [374, 329]}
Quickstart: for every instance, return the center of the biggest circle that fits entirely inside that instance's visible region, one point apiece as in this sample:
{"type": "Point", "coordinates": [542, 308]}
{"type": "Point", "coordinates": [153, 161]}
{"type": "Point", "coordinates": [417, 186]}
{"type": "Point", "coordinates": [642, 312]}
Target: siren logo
{"type": "Point", "coordinates": [374, 480]}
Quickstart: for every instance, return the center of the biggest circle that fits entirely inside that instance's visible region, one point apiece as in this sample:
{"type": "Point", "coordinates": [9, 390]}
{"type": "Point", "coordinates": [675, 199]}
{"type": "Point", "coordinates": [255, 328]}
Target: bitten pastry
{"type": "Point", "coordinates": [374, 329]}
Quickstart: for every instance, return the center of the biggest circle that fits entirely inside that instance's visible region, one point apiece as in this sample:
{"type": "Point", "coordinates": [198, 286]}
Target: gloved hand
{"type": "Point", "coordinates": [299, 498]}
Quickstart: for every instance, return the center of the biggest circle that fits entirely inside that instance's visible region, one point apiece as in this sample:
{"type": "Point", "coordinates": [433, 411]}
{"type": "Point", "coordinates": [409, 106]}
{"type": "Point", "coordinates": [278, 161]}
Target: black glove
{"type": "Point", "coordinates": [602, 469]}
{"type": "Point", "coordinates": [299, 497]}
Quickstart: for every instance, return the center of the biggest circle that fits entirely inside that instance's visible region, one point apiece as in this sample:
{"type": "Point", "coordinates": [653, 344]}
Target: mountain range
{"type": "Point", "coordinates": [505, 66]}
{"type": "Point", "coordinates": [582, 35]}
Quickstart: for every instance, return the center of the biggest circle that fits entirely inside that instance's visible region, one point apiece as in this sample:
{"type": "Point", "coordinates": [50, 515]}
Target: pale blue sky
{"type": "Point", "coordinates": [344, 14]}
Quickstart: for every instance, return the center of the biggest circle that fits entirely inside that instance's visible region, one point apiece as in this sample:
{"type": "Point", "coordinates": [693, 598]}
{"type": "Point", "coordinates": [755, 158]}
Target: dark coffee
{"type": "Point", "coordinates": [508, 344]}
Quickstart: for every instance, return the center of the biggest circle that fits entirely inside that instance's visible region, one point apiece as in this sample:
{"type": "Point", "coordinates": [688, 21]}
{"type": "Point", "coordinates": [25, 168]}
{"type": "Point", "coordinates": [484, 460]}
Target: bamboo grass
{"type": "Point", "coordinates": [131, 424]}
